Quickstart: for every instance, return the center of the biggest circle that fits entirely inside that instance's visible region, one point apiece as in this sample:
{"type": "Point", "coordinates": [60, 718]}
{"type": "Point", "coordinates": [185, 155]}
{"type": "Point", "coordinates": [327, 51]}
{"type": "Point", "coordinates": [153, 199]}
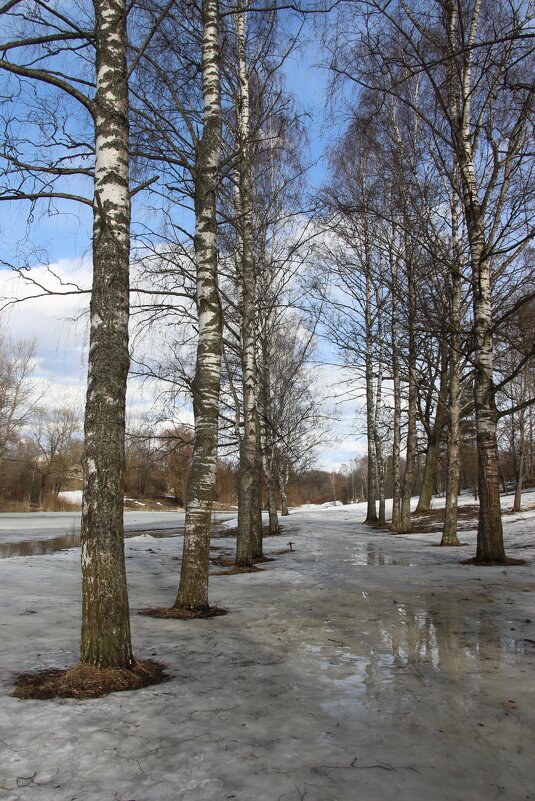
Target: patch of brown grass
{"type": "Point", "coordinates": [433, 520]}
{"type": "Point", "coordinates": [222, 561]}
{"type": "Point", "coordinates": [87, 681]}
{"type": "Point", "coordinates": [183, 612]}
{"type": "Point", "coordinates": [55, 504]}
{"type": "Point", "coordinates": [237, 570]}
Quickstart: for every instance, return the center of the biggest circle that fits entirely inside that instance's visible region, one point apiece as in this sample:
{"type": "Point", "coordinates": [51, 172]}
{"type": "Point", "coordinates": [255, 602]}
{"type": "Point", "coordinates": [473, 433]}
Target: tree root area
{"type": "Point", "coordinates": [184, 612]}
{"type": "Point", "coordinates": [450, 545]}
{"type": "Point", "coordinates": [235, 571]}
{"type": "Point", "coordinates": [509, 561]}
{"type": "Point", "coordinates": [88, 681]}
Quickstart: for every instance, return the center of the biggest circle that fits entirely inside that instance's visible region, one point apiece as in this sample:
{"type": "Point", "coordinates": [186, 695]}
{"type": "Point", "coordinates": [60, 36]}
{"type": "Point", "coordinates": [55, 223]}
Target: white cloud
{"type": "Point", "coordinates": [57, 322]}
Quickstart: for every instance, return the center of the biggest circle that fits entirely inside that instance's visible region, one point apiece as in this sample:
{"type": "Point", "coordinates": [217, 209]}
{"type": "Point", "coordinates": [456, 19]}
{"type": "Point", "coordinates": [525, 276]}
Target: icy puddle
{"type": "Point", "coordinates": [370, 554]}
{"type": "Point", "coordinates": [65, 542]}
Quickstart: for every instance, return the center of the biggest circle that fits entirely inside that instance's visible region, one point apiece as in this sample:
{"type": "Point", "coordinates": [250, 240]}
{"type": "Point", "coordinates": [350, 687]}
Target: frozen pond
{"type": "Point", "coordinates": [37, 533]}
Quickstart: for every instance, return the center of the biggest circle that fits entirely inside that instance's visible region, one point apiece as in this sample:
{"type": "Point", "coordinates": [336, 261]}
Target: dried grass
{"type": "Point", "coordinates": [183, 612]}
{"type": "Point", "coordinates": [87, 681]}
{"type": "Point", "coordinates": [235, 571]}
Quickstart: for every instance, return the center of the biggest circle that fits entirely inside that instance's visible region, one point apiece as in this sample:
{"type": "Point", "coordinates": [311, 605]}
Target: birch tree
{"type": "Point", "coordinates": [193, 588]}
{"type": "Point", "coordinates": [246, 547]}
{"type": "Point", "coordinates": [178, 133]}
{"type": "Point", "coordinates": [484, 49]}
{"type": "Point", "coordinates": [72, 68]}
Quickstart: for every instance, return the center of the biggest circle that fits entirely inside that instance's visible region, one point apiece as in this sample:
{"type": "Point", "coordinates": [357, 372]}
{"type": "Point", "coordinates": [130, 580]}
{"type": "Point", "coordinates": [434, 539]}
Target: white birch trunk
{"type": "Point", "coordinates": [396, 380]}
{"type": "Point", "coordinates": [283, 488]}
{"type": "Point", "coordinates": [268, 451]}
{"type": "Point", "coordinates": [449, 532]}
{"type": "Point", "coordinates": [105, 640]}
{"type": "Point", "coordinates": [490, 546]}
{"type": "Point", "coordinates": [434, 438]}
{"type": "Point", "coordinates": [193, 588]}
{"type": "Point", "coordinates": [248, 540]}
{"type": "Point", "coordinates": [517, 503]}
{"type": "Point", "coordinates": [371, 507]}
{"type": "Point", "coordinates": [378, 397]}
{"type": "Point", "coordinates": [410, 461]}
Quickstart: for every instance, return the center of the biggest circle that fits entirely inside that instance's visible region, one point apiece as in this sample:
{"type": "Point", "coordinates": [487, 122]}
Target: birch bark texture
{"type": "Point", "coordinates": [247, 542]}
{"type": "Point", "coordinates": [453, 458]}
{"type": "Point", "coordinates": [434, 436]}
{"type": "Point", "coordinates": [490, 547]}
{"type": "Point", "coordinates": [412, 442]}
{"type": "Point", "coordinates": [105, 640]}
{"type": "Point", "coordinates": [371, 505]}
{"type": "Point", "coordinates": [396, 386]}
{"type": "Point", "coordinates": [193, 587]}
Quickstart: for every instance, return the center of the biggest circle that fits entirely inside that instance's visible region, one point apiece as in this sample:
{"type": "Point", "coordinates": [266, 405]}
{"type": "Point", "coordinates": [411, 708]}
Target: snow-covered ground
{"type": "Point", "coordinates": [360, 667]}
{"type": "Point", "coordinates": [71, 496]}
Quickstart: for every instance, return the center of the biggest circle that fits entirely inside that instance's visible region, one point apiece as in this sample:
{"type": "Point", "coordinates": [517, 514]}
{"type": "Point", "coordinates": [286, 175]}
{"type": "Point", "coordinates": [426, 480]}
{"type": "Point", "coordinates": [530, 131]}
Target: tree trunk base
{"type": "Point", "coordinates": [452, 544]}
{"type": "Point", "coordinates": [372, 523]}
{"type": "Point", "coordinates": [183, 612]}
{"type": "Point", "coordinates": [88, 681]}
{"type": "Point", "coordinates": [482, 563]}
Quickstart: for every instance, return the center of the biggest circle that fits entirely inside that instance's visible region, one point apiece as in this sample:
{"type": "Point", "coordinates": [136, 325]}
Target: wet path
{"type": "Point", "coordinates": [361, 667]}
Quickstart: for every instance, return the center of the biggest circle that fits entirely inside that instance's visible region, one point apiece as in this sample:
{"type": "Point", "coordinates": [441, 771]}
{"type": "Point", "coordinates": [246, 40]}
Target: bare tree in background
{"type": "Point", "coordinates": [54, 433]}
{"type": "Point", "coordinates": [18, 399]}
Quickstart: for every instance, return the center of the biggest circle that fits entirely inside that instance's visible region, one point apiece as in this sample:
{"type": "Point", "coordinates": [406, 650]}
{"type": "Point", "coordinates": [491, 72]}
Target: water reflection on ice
{"type": "Point", "coordinates": [373, 555]}
{"type": "Point", "coordinates": [392, 663]}
{"type": "Point", "coordinates": [66, 541]}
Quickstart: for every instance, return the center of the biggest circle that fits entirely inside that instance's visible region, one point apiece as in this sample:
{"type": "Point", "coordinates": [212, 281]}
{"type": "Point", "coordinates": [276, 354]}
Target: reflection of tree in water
{"type": "Point", "coordinates": [500, 646]}
{"type": "Point", "coordinates": [38, 547]}
{"type": "Point", "coordinates": [375, 557]}
{"type": "Point", "coordinates": [429, 644]}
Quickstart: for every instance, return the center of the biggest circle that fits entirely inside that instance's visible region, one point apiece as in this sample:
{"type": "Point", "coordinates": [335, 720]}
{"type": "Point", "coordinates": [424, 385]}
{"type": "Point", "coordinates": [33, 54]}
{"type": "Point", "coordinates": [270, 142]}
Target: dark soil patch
{"type": "Point", "coordinates": [225, 561]}
{"type": "Point", "coordinates": [237, 570]}
{"type": "Point", "coordinates": [469, 511]}
{"type": "Point", "coordinates": [87, 681]}
{"type": "Point", "coordinates": [509, 561]}
{"type": "Point", "coordinates": [233, 532]}
{"type": "Point", "coordinates": [183, 612]}
{"type": "Point", "coordinates": [429, 522]}
{"type": "Point", "coordinates": [222, 561]}
{"type": "Point", "coordinates": [450, 545]}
